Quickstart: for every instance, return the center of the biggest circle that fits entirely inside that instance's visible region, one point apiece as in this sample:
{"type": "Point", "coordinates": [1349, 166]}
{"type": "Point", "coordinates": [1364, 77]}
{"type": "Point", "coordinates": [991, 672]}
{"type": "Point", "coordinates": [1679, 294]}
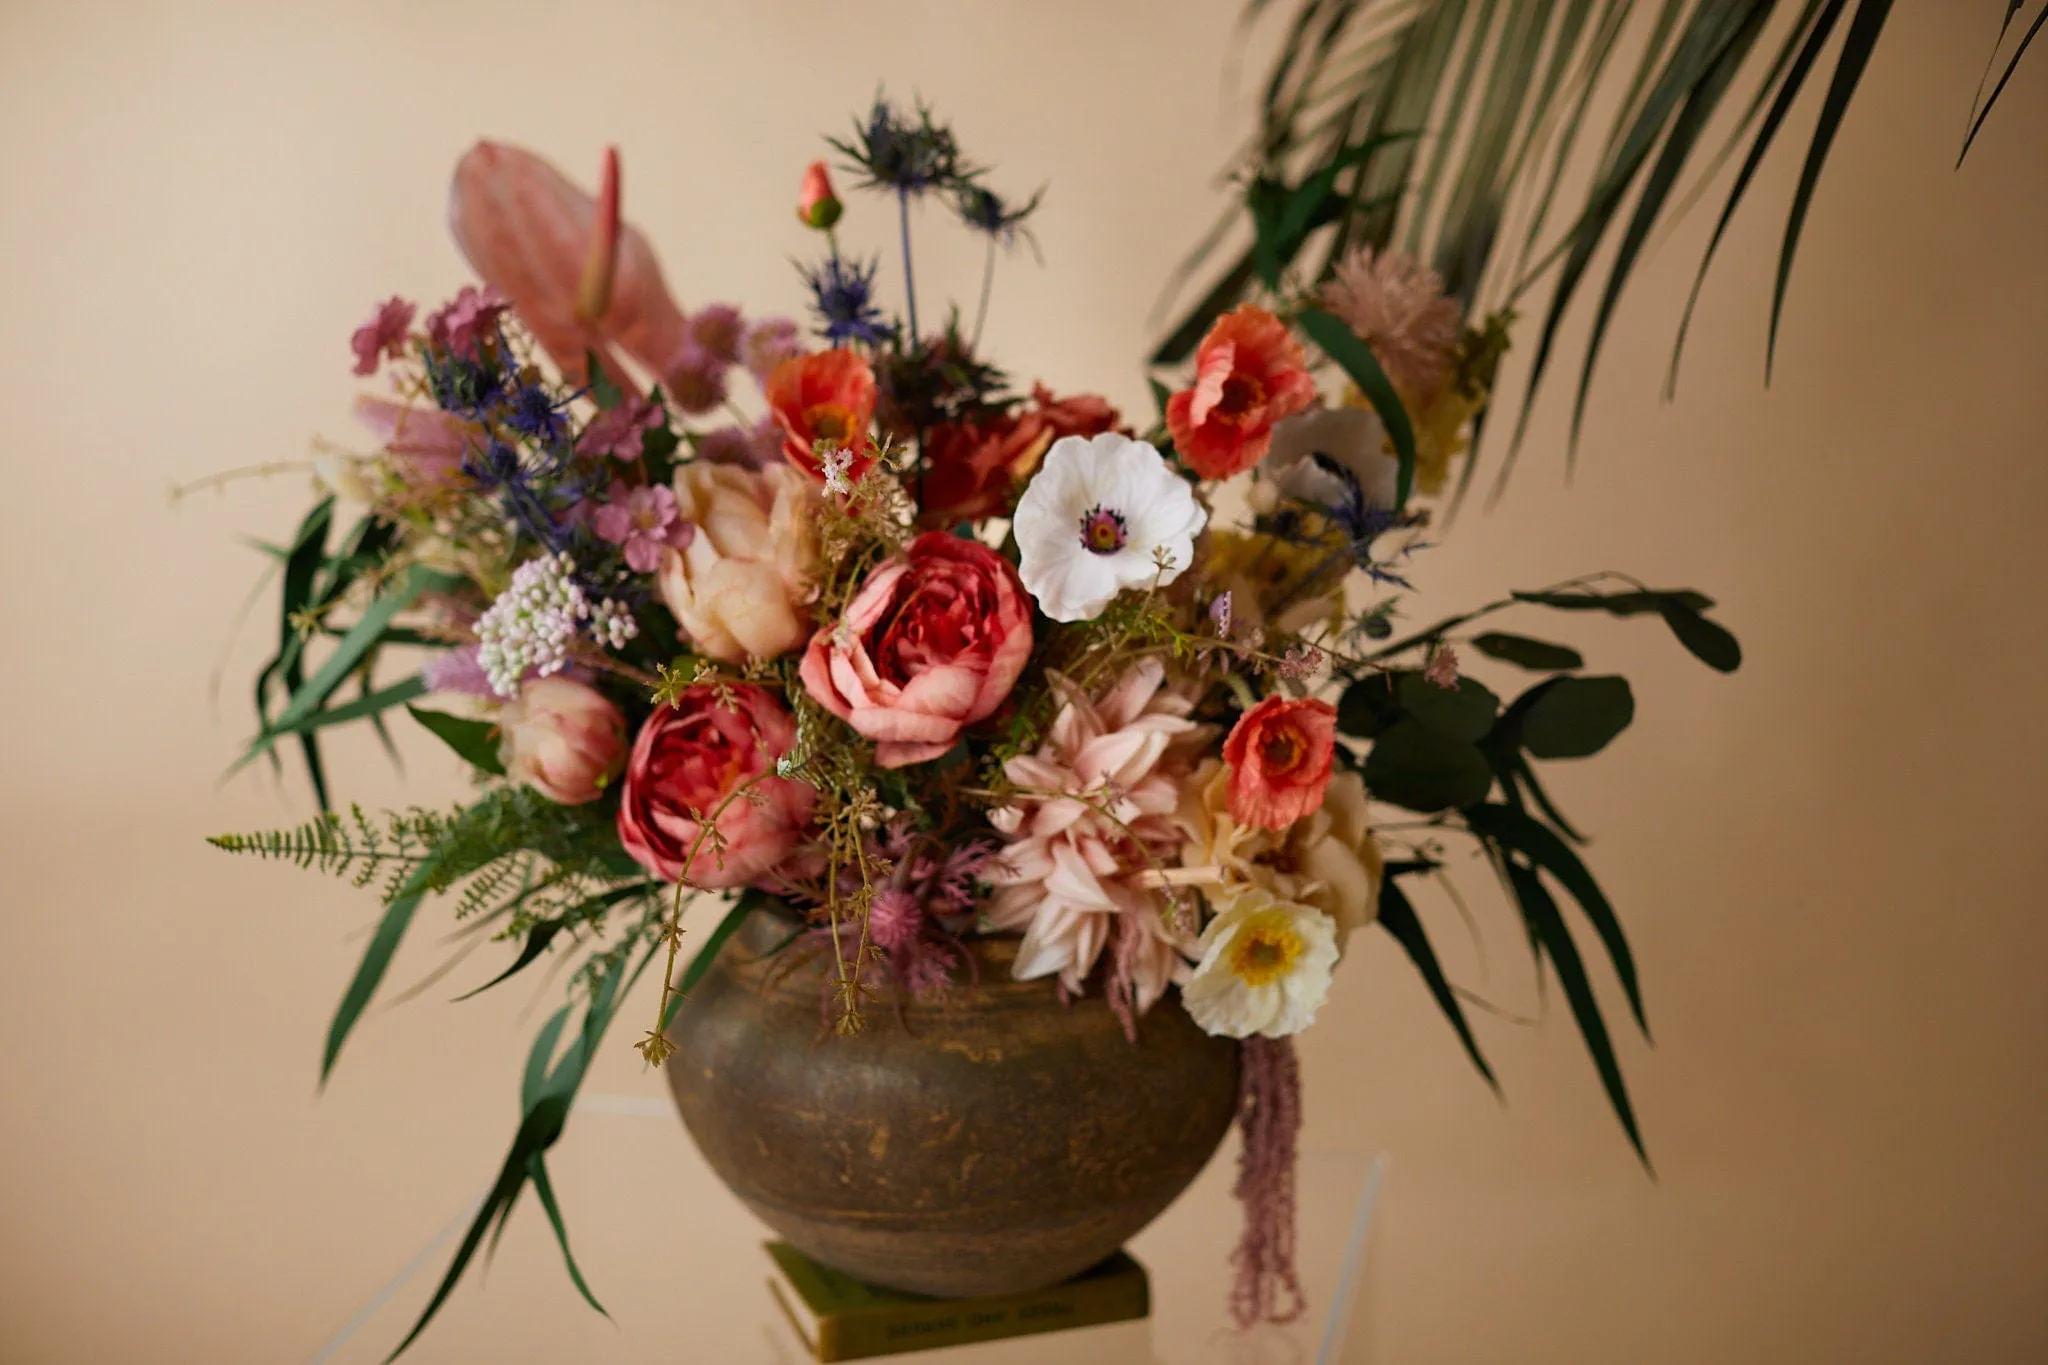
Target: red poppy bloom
{"type": "Point", "coordinates": [1249, 373]}
{"type": "Point", "coordinates": [827, 397]}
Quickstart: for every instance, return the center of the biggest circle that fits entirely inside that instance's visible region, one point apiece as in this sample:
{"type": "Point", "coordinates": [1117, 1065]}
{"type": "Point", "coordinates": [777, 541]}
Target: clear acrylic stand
{"type": "Point", "coordinates": [1186, 1253]}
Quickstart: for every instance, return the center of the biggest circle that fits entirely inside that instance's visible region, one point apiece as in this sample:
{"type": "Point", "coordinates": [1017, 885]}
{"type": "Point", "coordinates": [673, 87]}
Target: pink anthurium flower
{"type": "Point", "coordinates": [558, 254]}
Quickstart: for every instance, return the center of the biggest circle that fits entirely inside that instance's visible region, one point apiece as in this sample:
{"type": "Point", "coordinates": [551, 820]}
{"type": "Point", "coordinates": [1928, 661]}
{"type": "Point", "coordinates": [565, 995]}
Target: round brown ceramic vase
{"type": "Point", "coordinates": [994, 1142]}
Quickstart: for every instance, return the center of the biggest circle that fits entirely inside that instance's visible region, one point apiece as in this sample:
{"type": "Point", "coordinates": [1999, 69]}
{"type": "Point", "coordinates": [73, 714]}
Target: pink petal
{"type": "Point", "coordinates": [527, 230]}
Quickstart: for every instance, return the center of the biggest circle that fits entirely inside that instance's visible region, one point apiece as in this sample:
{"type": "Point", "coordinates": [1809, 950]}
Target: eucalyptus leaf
{"type": "Point", "coordinates": [1524, 652]}
{"type": "Point", "coordinates": [1464, 710]}
{"type": "Point", "coordinates": [1368, 706]}
{"type": "Point", "coordinates": [1576, 717]}
{"type": "Point", "coordinates": [1709, 642]}
{"type": "Point", "coordinates": [1426, 770]}
{"type": "Point", "coordinates": [1631, 603]}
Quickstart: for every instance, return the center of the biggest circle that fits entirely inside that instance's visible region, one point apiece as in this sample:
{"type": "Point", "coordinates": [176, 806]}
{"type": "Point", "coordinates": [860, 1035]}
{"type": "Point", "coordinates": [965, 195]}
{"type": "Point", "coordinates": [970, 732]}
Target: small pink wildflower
{"type": "Point", "coordinates": [1441, 667]}
{"type": "Point", "coordinates": [617, 431]}
{"type": "Point", "coordinates": [644, 521]}
{"type": "Point", "coordinates": [383, 335]}
{"type": "Point", "coordinates": [1305, 661]}
{"type": "Point", "coordinates": [467, 320]}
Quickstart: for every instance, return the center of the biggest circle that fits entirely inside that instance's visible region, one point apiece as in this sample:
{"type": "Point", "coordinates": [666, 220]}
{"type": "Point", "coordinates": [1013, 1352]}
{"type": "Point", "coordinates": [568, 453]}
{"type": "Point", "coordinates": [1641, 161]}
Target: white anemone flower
{"type": "Point", "coordinates": [1265, 967]}
{"type": "Point", "coordinates": [1103, 513]}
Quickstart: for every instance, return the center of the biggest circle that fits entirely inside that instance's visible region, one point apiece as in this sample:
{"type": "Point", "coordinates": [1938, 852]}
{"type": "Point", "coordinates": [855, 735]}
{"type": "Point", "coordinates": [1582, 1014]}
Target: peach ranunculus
{"type": "Point", "coordinates": [1249, 373]}
{"type": "Point", "coordinates": [739, 586]}
{"type": "Point", "coordinates": [977, 467]}
{"type": "Point", "coordinates": [1328, 859]}
{"type": "Point", "coordinates": [933, 641]}
{"type": "Point", "coordinates": [1281, 753]}
{"type": "Point", "coordinates": [688, 766]}
{"type": "Point", "coordinates": [829, 397]}
{"type": "Point", "coordinates": [564, 739]}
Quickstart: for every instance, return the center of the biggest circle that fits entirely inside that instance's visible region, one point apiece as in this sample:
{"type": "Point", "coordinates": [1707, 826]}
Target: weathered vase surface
{"type": "Point", "coordinates": [994, 1142]}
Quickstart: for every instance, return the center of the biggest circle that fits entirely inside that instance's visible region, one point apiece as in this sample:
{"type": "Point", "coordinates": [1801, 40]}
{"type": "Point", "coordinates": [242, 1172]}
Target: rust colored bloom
{"type": "Point", "coordinates": [976, 468]}
{"type": "Point", "coordinates": [829, 397]}
{"type": "Point", "coordinates": [1280, 755]}
{"type": "Point", "coordinates": [1249, 373]}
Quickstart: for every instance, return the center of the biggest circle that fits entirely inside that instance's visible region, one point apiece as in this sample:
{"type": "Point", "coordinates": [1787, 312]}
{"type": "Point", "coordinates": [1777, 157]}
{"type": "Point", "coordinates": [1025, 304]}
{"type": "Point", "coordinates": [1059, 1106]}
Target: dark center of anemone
{"type": "Point", "coordinates": [1103, 532]}
{"type": "Point", "coordinates": [830, 422]}
{"type": "Point", "coordinates": [1263, 952]}
{"type": "Point", "coordinates": [1241, 393]}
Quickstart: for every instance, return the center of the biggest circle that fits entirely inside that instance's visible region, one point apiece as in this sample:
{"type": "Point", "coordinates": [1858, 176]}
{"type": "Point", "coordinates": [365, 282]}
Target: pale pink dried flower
{"type": "Point", "coordinates": [1397, 306]}
{"type": "Point", "coordinates": [1441, 666]}
{"type": "Point", "coordinates": [1094, 811]}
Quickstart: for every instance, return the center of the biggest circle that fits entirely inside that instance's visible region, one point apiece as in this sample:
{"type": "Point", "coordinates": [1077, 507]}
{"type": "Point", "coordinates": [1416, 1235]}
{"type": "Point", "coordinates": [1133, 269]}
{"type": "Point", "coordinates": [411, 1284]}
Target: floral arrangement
{"type": "Point", "coordinates": [838, 618]}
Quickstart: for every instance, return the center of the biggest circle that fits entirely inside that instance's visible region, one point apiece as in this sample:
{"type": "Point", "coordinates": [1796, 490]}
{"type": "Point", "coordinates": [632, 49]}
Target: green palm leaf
{"type": "Point", "coordinates": [1501, 94]}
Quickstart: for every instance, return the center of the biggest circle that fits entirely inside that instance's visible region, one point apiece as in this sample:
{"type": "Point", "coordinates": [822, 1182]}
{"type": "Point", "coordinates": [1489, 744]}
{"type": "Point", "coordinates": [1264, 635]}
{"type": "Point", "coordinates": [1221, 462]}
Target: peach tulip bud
{"type": "Point", "coordinates": [816, 205]}
{"type": "Point", "coordinates": [564, 739]}
{"type": "Point", "coordinates": [594, 290]}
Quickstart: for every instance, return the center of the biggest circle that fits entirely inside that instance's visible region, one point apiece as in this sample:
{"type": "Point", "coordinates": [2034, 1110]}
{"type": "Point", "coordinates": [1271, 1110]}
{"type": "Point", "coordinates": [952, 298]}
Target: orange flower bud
{"type": "Point", "coordinates": [816, 205]}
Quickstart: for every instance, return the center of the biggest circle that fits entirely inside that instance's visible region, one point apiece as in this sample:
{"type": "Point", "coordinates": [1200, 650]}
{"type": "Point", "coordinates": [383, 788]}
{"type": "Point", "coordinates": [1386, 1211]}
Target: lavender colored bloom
{"type": "Point", "coordinates": [458, 670]}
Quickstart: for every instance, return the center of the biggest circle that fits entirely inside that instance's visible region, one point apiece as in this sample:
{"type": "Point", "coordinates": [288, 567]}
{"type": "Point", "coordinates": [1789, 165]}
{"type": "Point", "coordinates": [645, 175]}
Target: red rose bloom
{"type": "Point", "coordinates": [686, 761]}
{"type": "Point", "coordinates": [1280, 756]}
{"type": "Point", "coordinates": [932, 642]}
{"type": "Point", "coordinates": [1249, 373]}
{"type": "Point", "coordinates": [829, 397]}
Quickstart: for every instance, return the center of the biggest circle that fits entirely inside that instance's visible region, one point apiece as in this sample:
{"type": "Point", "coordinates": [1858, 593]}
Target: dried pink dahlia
{"type": "Point", "coordinates": [1397, 306]}
{"type": "Point", "coordinates": [1095, 800]}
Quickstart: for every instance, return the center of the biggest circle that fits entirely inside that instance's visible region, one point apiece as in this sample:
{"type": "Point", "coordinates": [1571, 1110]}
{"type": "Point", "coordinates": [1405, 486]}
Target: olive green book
{"type": "Point", "coordinates": [841, 1318]}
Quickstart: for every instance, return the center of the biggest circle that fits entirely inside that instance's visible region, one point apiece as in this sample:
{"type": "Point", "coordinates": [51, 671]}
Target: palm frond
{"type": "Point", "coordinates": [1499, 99]}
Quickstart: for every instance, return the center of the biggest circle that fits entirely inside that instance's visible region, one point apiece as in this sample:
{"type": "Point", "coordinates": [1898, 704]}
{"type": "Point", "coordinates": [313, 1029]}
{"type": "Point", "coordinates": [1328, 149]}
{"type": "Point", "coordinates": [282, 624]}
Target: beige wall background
{"type": "Point", "coordinates": [1831, 863]}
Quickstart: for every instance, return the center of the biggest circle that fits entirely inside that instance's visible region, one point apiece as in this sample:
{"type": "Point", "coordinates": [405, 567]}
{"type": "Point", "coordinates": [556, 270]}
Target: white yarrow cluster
{"type": "Point", "coordinates": [532, 625]}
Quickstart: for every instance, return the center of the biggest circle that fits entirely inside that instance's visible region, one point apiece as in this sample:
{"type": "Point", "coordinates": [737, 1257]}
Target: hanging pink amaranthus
{"type": "Point", "coordinates": [1268, 1287]}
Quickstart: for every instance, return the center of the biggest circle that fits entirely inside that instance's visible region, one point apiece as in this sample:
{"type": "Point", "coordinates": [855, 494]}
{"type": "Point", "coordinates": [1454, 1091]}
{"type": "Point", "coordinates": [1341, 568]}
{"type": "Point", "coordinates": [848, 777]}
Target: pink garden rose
{"type": "Point", "coordinates": [689, 758]}
{"type": "Point", "coordinates": [564, 739]}
{"type": "Point", "coordinates": [932, 642]}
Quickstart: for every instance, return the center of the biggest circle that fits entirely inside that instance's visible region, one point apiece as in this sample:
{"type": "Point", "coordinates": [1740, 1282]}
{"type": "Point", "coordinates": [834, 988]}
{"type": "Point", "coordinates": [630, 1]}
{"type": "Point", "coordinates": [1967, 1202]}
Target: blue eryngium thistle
{"type": "Point", "coordinates": [843, 296]}
{"type": "Point", "coordinates": [1359, 519]}
{"type": "Point", "coordinates": [535, 413]}
{"type": "Point", "coordinates": [986, 211]}
{"type": "Point", "coordinates": [498, 468]}
{"type": "Point", "coordinates": [909, 156]}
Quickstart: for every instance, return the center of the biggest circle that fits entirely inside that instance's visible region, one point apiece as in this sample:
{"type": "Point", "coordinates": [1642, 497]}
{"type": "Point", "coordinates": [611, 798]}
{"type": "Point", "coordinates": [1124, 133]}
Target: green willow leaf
{"type": "Point", "coordinates": [1548, 927]}
{"type": "Point", "coordinates": [1862, 36]}
{"type": "Point", "coordinates": [1512, 829]}
{"type": "Point", "coordinates": [286, 668]}
{"type": "Point", "coordinates": [1397, 916]}
{"type": "Point", "coordinates": [1524, 652]}
{"type": "Point", "coordinates": [348, 653]}
{"type": "Point", "coordinates": [537, 1172]}
{"type": "Point", "coordinates": [1356, 359]}
{"type": "Point", "coordinates": [377, 957]}
{"type": "Point", "coordinates": [1620, 603]}
{"type": "Point", "coordinates": [474, 741]}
